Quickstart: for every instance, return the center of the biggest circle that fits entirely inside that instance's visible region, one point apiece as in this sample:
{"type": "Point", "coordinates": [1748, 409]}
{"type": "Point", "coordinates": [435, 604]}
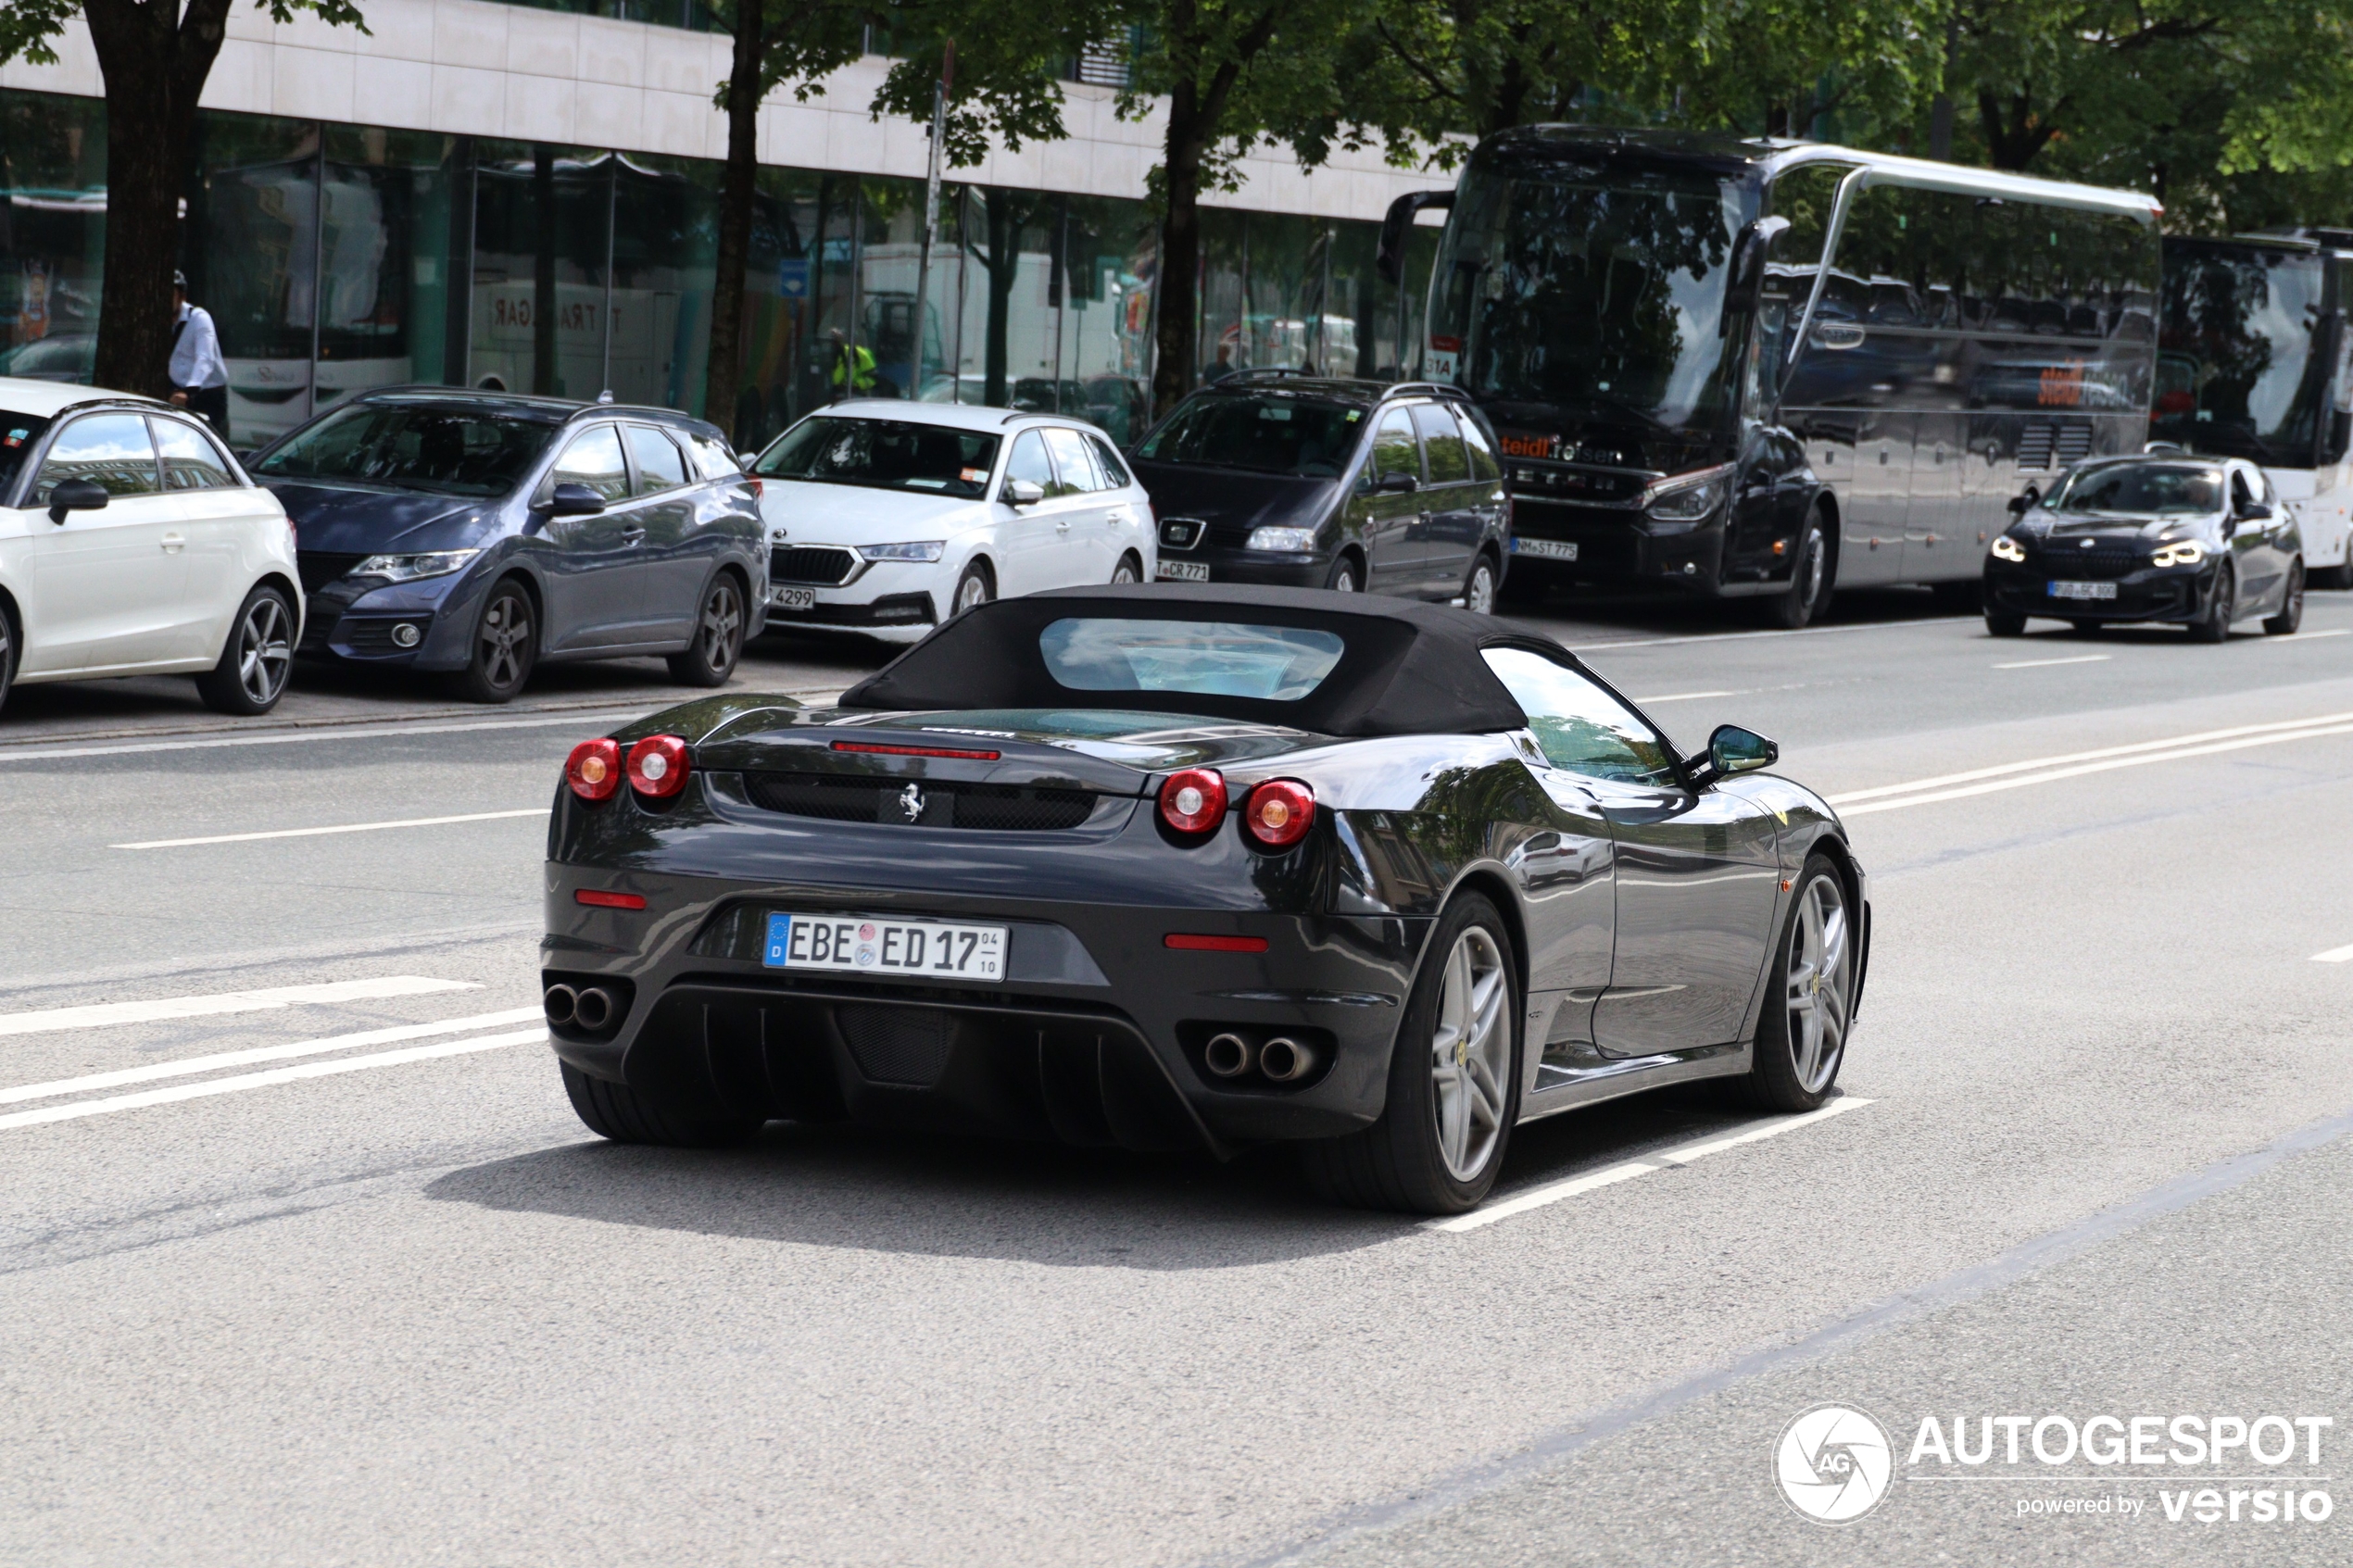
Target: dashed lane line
{"type": "Point", "coordinates": [82, 1107]}
{"type": "Point", "coordinates": [339, 827]}
{"type": "Point", "coordinates": [188, 1066]}
{"type": "Point", "coordinates": [2335, 955]}
{"type": "Point", "coordinates": [2047, 663]}
{"type": "Point", "coordinates": [107, 1015]}
{"type": "Point", "coordinates": [1643, 1165]}
{"type": "Point", "coordinates": [1683, 696]}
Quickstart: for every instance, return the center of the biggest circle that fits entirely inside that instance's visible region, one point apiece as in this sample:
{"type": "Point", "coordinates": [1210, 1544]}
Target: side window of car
{"type": "Point", "coordinates": [1116, 475]}
{"type": "Point", "coordinates": [1485, 465]}
{"type": "Point", "coordinates": [712, 453]}
{"type": "Point", "coordinates": [1394, 448]}
{"type": "Point", "coordinates": [190, 459]}
{"type": "Point", "coordinates": [1581, 727]}
{"type": "Point", "coordinates": [594, 459]}
{"type": "Point", "coordinates": [1442, 441]}
{"type": "Point", "coordinates": [1072, 461]}
{"type": "Point", "coordinates": [658, 465]}
{"type": "Point", "coordinates": [1029, 461]}
{"type": "Point", "coordinates": [112, 449]}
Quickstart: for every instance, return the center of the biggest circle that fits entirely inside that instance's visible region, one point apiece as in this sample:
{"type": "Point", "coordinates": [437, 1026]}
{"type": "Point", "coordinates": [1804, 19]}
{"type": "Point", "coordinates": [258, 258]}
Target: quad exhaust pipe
{"type": "Point", "coordinates": [1285, 1060]}
{"type": "Point", "coordinates": [1228, 1056]}
{"type": "Point", "coordinates": [590, 1008]}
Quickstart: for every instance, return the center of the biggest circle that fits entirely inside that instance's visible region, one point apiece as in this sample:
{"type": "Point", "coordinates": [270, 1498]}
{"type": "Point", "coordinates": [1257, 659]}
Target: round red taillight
{"type": "Point", "coordinates": [658, 766]}
{"type": "Point", "coordinates": [594, 768]}
{"type": "Point", "coordinates": [1193, 799]}
{"type": "Point", "coordinates": [1279, 812]}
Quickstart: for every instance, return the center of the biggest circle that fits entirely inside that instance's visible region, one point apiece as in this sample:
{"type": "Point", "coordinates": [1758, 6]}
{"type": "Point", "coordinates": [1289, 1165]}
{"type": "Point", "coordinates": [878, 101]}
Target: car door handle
{"type": "Point", "coordinates": [171, 543]}
{"type": "Point", "coordinates": [631, 535]}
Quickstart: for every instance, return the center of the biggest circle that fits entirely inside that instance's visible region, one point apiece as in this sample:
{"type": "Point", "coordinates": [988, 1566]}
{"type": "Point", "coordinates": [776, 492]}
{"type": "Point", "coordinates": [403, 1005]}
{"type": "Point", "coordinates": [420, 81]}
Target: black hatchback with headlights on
{"type": "Point", "coordinates": [2200, 542]}
{"type": "Point", "coordinates": [1304, 482]}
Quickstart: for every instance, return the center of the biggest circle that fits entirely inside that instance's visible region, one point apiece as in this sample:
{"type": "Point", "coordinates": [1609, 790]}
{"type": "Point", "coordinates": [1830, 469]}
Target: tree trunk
{"type": "Point", "coordinates": [1179, 301]}
{"type": "Point", "coordinates": [1940, 111]}
{"type": "Point", "coordinates": [155, 71]}
{"type": "Point", "coordinates": [724, 363]}
{"type": "Point", "coordinates": [1003, 262]}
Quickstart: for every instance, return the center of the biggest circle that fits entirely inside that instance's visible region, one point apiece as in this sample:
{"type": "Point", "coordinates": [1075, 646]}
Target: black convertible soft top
{"type": "Point", "coordinates": [1407, 666]}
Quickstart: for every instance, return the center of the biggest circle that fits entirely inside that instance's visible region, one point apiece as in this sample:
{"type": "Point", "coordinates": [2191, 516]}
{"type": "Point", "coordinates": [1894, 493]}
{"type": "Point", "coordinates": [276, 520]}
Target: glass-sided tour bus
{"type": "Point", "coordinates": [2252, 362]}
{"type": "Point", "coordinates": [1764, 368]}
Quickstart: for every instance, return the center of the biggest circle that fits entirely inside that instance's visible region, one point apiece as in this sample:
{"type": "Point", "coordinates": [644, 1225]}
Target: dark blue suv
{"type": "Point", "coordinates": [482, 533]}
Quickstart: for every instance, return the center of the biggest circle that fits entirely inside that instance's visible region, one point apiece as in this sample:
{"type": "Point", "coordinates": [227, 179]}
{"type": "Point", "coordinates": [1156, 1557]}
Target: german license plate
{"type": "Point", "coordinates": [1546, 550]}
{"type": "Point", "coordinates": [793, 598]}
{"type": "Point", "coordinates": [2082, 590]}
{"type": "Point", "coordinates": [898, 949]}
{"type": "Point", "coordinates": [1183, 571]}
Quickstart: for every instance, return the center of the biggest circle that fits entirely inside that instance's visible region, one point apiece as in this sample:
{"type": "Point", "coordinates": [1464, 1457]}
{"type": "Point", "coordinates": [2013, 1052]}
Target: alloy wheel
{"type": "Point", "coordinates": [264, 652]}
{"type": "Point", "coordinates": [1125, 572]}
{"type": "Point", "coordinates": [1470, 1054]}
{"type": "Point", "coordinates": [722, 629]}
{"type": "Point", "coordinates": [1819, 984]}
{"type": "Point", "coordinates": [506, 633]}
{"type": "Point", "coordinates": [972, 592]}
{"type": "Point", "coordinates": [1479, 595]}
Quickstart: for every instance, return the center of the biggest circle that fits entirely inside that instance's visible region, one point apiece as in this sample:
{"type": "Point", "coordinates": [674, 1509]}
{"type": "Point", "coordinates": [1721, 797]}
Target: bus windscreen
{"type": "Point", "coordinates": [1599, 288]}
{"type": "Point", "coordinates": [2236, 375]}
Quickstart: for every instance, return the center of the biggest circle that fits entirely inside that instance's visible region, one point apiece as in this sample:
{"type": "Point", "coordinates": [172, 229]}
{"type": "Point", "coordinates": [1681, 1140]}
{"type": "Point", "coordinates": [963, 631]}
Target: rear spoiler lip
{"type": "Point", "coordinates": [1019, 762]}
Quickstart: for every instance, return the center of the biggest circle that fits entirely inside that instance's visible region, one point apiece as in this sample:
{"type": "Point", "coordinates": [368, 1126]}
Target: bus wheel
{"type": "Point", "coordinates": [1809, 581]}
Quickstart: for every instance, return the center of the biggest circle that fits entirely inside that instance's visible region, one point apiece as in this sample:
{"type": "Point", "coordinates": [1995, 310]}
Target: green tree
{"type": "Point", "coordinates": [155, 55]}
{"type": "Point", "coordinates": [772, 43]}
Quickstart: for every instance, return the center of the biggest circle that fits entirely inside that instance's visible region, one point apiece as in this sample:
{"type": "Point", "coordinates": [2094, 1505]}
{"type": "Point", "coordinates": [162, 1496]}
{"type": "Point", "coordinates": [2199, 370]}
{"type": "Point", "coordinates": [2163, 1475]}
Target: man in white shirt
{"type": "Point", "coordinates": [199, 376]}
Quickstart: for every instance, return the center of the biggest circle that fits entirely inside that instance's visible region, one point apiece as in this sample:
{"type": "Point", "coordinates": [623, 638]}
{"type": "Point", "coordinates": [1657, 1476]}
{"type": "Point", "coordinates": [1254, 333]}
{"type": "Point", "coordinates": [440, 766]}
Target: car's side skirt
{"type": "Point", "coordinates": [1572, 1088]}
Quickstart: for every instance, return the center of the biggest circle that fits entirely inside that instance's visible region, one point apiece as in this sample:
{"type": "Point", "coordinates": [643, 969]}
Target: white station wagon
{"type": "Point", "coordinates": [133, 544]}
{"type": "Point", "coordinates": [887, 517]}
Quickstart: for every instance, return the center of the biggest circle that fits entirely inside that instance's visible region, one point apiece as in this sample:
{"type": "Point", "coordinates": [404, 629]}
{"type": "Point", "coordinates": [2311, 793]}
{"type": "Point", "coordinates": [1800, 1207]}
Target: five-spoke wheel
{"type": "Point", "coordinates": [719, 637]}
{"type": "Point", "coordinates": [1801, 1041]}
{"type": "Point", "coordinates": [252, 673]}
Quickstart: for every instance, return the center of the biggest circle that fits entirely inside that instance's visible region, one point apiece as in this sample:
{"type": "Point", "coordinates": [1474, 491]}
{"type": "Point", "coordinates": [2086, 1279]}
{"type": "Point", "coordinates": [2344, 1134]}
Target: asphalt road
{"type": "Point", "coordinates": [337, 1278]}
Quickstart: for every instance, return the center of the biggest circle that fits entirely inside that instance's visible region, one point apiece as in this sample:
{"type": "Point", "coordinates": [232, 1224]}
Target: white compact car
{"type": "Point", "coordinates": [133, 544]}
{"type": "Point", "coordinates": [887, 518]}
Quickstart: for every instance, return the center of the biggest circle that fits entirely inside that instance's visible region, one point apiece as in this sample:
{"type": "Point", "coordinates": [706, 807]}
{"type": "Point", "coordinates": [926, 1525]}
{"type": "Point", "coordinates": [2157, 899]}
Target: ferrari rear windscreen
{"type": "Point", "coordinates": [1200, 657]}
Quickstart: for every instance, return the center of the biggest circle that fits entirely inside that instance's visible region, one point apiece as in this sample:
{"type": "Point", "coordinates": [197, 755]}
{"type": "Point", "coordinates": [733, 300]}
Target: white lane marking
{"type": "Point", "coordinates": [2335, 955]}
{"type": "Point", "coordinates": [82, 1107]}
{"type": "Point", "coordinates": [2046, 663]}
{"type": "Point", "coordinates": [341, 827]}
{"type": "Point", "coordinates": [1742, 636]}
{"type": "Point", "coordinates": [2055, 775]}
{"type": "Point", "coordinates": [2036, 763]}
{"type": "Point", "coordinates": [589, 719]}
{"type": "Point", "coordinates": [1684, 697]}
{"type": "Point", "coordinates": [190, 1066]}
{"type": "Point", "coordinates": [1661, 1160]}
{"type": "Point", "coordinates": [2306, 636]}
{"type": "Point", "coordinates": [106, 1015]}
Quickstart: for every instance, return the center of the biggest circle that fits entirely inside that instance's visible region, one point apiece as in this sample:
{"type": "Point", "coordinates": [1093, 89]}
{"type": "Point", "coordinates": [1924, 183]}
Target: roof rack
{"type": "Point", "coordinates": [1258, 371]}
{"type": "Point", "coordinates": [1431, 388]}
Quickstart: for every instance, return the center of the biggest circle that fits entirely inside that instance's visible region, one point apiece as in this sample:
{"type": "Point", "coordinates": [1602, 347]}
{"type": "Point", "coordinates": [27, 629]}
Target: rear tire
{"type": "Point", "coordinates": [1479, 587]}
{"type": "Point", "coordinates": [1959, 599]}
{"type": "Point", "coordinates": [252, 673]}
{"type": "Point", "coordinates": [2291, 615]}
{"type": "Point", "coordinates": [620, 1113]}
{"type": "Point", "coordinates": [504, 647]}
{"type": "Point", "coordinates": [1809, 1002]}
{"type": "Point", "coordinates": [1809, 581]}
{"type": "Point", "coordinates": [719, 637]}
{"type": "Point", "coordinates": [1129, 569]}
{"type": "Point", "coordinates": [1454, 1080]}
{"type": "Point", "coordinates": [7, 654]}
{"type": "Point", "coordinates": [2000, 623]}
{"type": "Point", "coordinates": [2087, 628]}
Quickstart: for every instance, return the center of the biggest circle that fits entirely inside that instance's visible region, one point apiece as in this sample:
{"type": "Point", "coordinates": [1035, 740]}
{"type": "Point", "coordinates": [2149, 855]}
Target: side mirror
{"type": "Point", "coordinates": [1398, 484]}
{"type": "Point", "coordinates": [2254, 511]}
{"type": "Point", "coordinates": [1388, 257]}
{"type": "Point", "coordinates": [1748, 264]}
{"type": "Point", "coordinates": [1733, 750]}
{"type": "Point", "coordinates": [75, 495]}
{"type": "Point", "coordinates": [2017, 506]}
{"type": "Point", "coordinates": [1024, 492]}
{"type": "Point", "coordinates": [571, 499]}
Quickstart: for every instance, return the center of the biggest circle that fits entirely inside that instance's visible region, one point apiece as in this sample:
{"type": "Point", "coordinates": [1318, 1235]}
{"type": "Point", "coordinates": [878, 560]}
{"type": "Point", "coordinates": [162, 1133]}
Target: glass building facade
{"type": "Point", "coordinates": [339, 258]}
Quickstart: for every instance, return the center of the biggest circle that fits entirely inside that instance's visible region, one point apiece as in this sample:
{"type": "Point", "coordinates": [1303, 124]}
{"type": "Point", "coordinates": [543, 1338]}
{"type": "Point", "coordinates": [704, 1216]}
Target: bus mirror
{"type": "Point", "coordinates": [1748, 264]}
{"type": "Point", "coordinates": [1389, 260]}
{"type": "Point", "coordinates": [2018, 506]}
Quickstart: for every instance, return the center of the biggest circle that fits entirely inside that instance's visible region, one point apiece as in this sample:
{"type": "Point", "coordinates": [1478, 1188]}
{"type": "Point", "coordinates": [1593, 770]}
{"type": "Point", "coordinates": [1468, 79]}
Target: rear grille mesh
{"type": "Point", "coordinates": [898, 1045]}
{"type": "Point", "coordinates": [802, 564]}
{"type": "Point", "coordinates": [990, 808]}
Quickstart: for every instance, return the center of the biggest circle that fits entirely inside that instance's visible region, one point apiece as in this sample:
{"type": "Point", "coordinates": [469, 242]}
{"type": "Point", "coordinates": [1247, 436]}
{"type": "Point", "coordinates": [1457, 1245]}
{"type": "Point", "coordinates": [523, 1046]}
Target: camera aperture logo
{"type": "Point", "coordinates": [1833, 1463]}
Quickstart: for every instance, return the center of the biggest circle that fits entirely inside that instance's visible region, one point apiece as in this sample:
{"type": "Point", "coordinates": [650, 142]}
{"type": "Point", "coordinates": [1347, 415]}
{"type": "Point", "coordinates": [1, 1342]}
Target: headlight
{"type": "Point", "coordinates": [2181, 552]}
{"type": "Point", "coordinates": [1295, 540]}
{"type": "Point", "coordinates": [2007, 548]}
{"type": "Point", "coordinates": [408, 569]}
{"type": "Point", "coordinates": [928, 550]}
{"type": "Point", "coordinates": [1688, 497]}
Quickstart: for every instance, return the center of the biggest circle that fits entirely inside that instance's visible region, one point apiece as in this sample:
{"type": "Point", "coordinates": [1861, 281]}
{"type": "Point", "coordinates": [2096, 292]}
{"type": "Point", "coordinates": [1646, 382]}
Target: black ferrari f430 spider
{"type": "Point", "coordinates": [1194, 868]}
